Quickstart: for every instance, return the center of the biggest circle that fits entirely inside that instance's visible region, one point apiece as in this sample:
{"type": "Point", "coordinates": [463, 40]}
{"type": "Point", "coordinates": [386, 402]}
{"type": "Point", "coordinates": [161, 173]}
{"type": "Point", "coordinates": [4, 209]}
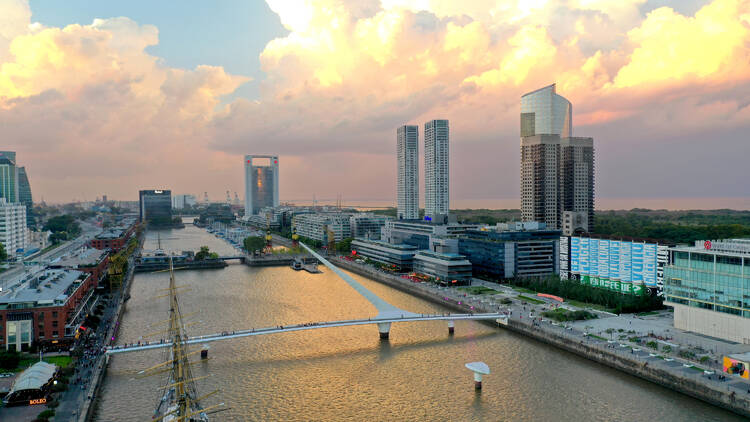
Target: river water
{"type": "Point", "coordinates": [347, 373]}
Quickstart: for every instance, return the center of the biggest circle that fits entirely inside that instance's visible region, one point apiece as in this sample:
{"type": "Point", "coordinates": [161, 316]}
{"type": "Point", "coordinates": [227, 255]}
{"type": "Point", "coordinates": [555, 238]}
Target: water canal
{"type": "Point", "coordinates": [348, 373]}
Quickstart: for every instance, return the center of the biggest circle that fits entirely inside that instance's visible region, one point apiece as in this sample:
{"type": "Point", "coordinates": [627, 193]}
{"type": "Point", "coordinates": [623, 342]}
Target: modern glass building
{"type": "Point", "coordinates": [261, 183]}
{"type": "Point", "coordinates": [400, 256]}
{"type": "Point", "coordinates": [24, 196]}
{"type": "Point", "coordinates": [436, 170]}
{"type": "Point", "coordinates": [407, 146]}
{"type": "Point", "coordinates": [511, 253]}
{"type": "Point", "coordinates": [452, 269]}
{"type": "Point", "coordinates": [156, 206]}
{"type": "Point", "coordinates": [543, 112]}
{"type": "Point", "coordinates": [8, 176]}
{"type": "Point", "coordinates": [709, 287]}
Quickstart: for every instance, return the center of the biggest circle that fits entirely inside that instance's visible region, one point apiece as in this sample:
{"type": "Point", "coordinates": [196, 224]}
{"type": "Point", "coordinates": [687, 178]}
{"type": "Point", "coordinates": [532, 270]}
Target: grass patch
{"type": "Point", "coordinates": [478, 290]}
{"type": "Point", "coordinates": [562, 315]}
{"type": "Point", "coordinates": [524, 290]}
{"type": "Point", "coordinates": [61, 361]}
{"type": "Point", "coordinates": [531, 300]}
{"type": "Point", "coordinates": [588, 305]}
{"type": "Point", "coordinates": [647, 313]}
{"type": "Point", "coordinates": [695, 368]}
{"type": "Point", "coordinates": [598, 337]}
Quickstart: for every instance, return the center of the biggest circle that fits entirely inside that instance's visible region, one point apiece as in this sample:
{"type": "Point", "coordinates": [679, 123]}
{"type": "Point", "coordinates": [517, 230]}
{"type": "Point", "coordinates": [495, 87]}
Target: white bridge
{"type": "Point", "coordinates": [387, 314]}
{"type": "Point", "coordinates": [226, 335]}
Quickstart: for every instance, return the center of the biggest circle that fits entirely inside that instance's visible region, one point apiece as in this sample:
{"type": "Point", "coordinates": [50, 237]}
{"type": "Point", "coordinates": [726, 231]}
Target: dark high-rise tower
{"type": "Point", "coordinates": [24, 195]}
{"type": "Point", "coordinates": [557, 170]}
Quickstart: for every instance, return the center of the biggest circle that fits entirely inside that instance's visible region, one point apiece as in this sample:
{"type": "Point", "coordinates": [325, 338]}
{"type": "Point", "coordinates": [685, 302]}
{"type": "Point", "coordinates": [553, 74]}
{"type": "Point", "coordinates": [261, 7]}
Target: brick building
{"type": "Point", "coordinates": [45, 308]}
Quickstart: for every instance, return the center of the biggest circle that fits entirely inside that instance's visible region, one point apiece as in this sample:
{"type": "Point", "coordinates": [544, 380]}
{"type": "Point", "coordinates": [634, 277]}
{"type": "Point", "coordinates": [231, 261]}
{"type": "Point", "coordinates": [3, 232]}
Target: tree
{"type": "Point", "coordinates": [203, 253]}
{"type": "Point", "coordinates": [3, 253]}
{"type": "Point", "coordinates": [254, 243]}
{"type": "Point", "coordinates": [9, 359]}
{"type": "Point", "coordinates": [345, 245]}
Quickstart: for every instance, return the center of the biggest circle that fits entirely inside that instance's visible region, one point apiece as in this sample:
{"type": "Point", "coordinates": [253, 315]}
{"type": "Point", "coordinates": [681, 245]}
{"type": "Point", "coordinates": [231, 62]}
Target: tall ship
{"type": "Point", "coordinates": [179, 396]}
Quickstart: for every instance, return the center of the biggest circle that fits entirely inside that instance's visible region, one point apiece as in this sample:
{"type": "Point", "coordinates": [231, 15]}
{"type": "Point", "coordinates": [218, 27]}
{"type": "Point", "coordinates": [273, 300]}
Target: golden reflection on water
{"type": "Point", "coordinates": [348, 373]}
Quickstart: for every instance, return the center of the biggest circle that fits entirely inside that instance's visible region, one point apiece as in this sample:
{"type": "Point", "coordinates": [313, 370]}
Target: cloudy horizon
{"type": "Point", "coordinates": [93, 105]}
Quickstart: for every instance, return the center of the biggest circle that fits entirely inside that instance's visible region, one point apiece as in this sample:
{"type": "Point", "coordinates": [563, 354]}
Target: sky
{"type": "Point", "coordinates": [112, 97]}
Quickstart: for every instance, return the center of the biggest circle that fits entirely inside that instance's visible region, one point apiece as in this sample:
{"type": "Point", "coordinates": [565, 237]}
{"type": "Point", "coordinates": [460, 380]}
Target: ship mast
{"type": "Point", "coordinates": [184, 405]}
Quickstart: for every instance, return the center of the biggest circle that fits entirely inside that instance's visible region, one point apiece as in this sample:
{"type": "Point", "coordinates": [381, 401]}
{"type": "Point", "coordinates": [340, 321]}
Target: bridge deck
{"type": "Point", "coordinates": [226, 335]}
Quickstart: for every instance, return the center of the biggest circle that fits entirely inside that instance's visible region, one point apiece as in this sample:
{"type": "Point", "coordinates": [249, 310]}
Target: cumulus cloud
{"type": "Point", "coordinates": [349, 72]}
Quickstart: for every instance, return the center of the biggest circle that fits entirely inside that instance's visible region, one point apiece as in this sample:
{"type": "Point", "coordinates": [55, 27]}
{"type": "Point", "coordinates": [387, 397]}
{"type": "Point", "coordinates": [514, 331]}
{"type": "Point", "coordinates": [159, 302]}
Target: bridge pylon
{"type": "Point", "coordinates": [384, 328]}
{"type": "Point", "coordinates": [451, 326]}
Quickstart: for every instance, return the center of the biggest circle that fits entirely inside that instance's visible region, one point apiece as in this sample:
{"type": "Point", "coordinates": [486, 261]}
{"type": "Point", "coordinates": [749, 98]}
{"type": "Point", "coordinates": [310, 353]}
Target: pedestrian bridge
{"type": "Point", "coordinates": [387, 314]}
{"type": "Point", "coordinates": [227, 335]}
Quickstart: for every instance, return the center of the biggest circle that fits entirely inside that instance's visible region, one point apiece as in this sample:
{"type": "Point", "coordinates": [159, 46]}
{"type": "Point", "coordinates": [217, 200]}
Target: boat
{"type": "Point", "coordinates": [179, 400]}
{"type": "Point", "coordinates": [297, 264]}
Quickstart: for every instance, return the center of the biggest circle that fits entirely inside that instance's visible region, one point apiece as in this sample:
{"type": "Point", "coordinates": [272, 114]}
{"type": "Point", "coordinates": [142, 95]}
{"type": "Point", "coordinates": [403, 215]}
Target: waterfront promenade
{"type": "Point", "coordinates": [699, 380]}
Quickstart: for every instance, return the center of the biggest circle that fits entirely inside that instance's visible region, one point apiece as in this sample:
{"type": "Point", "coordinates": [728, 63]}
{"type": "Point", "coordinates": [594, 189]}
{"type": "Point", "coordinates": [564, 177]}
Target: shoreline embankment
{"type": "Point", "coordinates": [638, 365]}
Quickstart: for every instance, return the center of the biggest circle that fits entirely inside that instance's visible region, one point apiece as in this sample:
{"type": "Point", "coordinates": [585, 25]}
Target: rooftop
{"type": "Point", "coordinates": [82, 258]}
{"type": "Point", "coordinates": [399, 246]}
{"type": "Point", "coordinates": [443, 256]}
{"type": "Point", "coordinates": [45, 288]}
{"type": "Point", "coordinates": [34, 377]}
{"type": "Point", "coordinates": [734, 247]}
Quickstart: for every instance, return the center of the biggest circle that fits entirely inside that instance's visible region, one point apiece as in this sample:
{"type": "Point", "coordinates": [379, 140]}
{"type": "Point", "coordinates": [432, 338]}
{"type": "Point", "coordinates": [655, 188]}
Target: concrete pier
{"type": "Point", "coordinates": [451, 327]}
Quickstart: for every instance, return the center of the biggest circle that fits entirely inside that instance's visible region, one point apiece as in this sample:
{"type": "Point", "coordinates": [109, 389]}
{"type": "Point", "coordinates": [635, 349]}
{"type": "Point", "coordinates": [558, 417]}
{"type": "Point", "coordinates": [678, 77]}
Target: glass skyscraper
{"type": "Point", "coordinates": [8, 176]}
{"type": "Point", "coordinates": [261, 183]}
{"type": "Point", "coordinates": [543, 112]}
{"type": "Point", "coordinates": [24, 195]}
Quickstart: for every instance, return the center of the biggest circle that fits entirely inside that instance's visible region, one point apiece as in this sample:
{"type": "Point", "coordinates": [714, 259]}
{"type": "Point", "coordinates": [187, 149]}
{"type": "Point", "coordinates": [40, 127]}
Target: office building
{"type": "Point", "coordinates": [512, 250]}
{"type": "Point", "coordinates": [629, 266]}
{"type": "Point", "coordinates": [557, 169]}
{"type": "Point", "coordinates": [182, 201]}
{"type": "Point", "coordinates": [13, 232]}
{"type": "Point", "coordinates": [708, 285]}
{"type": "Point", "coordinates": [407, 145]}
{"type": "Point", "coordinates": [156, 207]}
{"type": "Point", "coordinates": [261, 183]}
{"type": "Point", "coordinates": [398, 257]}
{"type": "Point", "coordinates": [317, 226]}
{"type": "Point", "coordinates": [366, 225]}
{"type": "Point", "coordinates": [8, 176]}
{"type": "Point", "coordinates": [24, 196]}
{"type": "Point", "coordinates": [446, 268]}
{"type": "Point", "coordinates": [436, 170]}
{"type": "Point", "coordinates": [421, 234]}
{"type": "Point", "coordinates": [45, 307]}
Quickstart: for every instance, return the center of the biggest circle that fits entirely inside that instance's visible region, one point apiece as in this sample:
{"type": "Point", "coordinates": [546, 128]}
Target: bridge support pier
{"type": "Point", "coordinates": [451, 326]}
{"type": "Point", "coordinates": [384, 328]}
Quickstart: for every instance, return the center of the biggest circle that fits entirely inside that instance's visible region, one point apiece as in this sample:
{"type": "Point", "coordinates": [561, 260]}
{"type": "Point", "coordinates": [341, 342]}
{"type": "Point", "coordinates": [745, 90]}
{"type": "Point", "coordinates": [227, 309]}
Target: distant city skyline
{"type": "Point", "coordinates": [663, 95]}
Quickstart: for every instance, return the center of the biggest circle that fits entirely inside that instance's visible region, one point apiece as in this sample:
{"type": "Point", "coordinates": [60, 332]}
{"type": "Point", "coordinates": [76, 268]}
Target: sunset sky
{"type": "Point", "coordinates": [112, 97]}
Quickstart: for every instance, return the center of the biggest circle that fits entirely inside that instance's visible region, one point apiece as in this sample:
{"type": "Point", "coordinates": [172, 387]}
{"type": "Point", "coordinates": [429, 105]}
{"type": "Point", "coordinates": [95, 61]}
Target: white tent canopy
{"type": "Point", "coordinates": [34, 377]}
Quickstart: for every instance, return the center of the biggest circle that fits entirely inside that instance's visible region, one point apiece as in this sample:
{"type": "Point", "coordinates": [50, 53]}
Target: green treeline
{"type": "Point", "coordinates": [574, 290]}
{"type": "Point", "coordinates": [676, 226]}
{"type": "Point", "coordinates": [63, 227]}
